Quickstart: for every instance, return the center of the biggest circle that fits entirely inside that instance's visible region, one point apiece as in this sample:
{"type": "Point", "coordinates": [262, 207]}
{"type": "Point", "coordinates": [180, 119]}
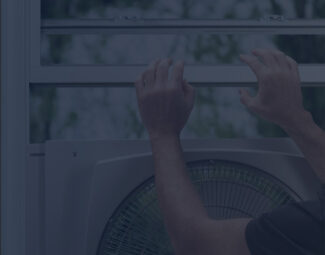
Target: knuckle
{"type": "Point", "coordinates": [264, 52]}
{"type": "Point", "coordinates": [151, 70]}
{"type": "Point", "coordinates": [163, 67]}
{"type": "Point", "coordinates": [146, 73]}
{"type": "Point", "coordinates": [254, 61]}
{"type": "Point", "coordinates": [279, 74]}
{"type": "Point", "coordinates": [279, 54]}
{"type": "Point", "coordinates": [253, 107]}
{"type": "Point", "coordinates": [164, 63]}
{"type": "Point", "coordinates": [172, 89]}
{"type": "Point", "coordinates": [267, 73]}
{"type": "Point", "coordinates": [294, 63]}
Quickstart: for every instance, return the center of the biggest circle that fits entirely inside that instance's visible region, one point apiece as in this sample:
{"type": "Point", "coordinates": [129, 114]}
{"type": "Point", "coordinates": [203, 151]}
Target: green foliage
{"type": "Point", "coordinates": [133, 124]}
{"type": "Point", "coordinates": [71, 120]}
{"type": "Point", "coordinates": [58, 46]}
{"type": "Point", "coordinates": [207, 122]}
{"type": "Point", "coordinates": [276, 7]}
{"type": "Point", "coordinates": [42, 117]}
{"type": "Point", "coordinates": [319, 8]}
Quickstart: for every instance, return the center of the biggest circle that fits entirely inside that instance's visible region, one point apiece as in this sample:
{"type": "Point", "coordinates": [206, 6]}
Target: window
{"type": "Point", "coordinates": [61, 60]}
{"type": "Point", "coordinates": [85, 54]}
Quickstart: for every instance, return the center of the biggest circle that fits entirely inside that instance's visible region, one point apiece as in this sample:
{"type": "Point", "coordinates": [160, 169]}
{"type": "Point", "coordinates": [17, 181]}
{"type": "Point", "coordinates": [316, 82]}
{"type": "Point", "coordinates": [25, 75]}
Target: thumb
{"type": "Point", "coordinates": [189, 92]}
{"type": "Point", "coordinates": [245, 98]}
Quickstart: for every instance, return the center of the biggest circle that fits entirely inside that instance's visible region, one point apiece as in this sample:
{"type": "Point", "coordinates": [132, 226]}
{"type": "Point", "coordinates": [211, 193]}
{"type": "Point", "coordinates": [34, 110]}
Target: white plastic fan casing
{"type": "Point", "coordinates": [84, 182]}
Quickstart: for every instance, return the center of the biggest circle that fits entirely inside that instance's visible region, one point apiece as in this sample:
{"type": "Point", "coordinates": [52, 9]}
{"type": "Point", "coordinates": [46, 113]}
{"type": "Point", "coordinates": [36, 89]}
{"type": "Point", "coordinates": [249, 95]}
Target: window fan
{"type": "Point", "coordinates": [227, 189]}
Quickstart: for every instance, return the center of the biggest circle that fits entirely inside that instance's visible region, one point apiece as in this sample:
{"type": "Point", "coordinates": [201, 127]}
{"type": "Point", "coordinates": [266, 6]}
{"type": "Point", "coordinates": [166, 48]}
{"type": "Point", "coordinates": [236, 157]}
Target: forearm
{"type": "Point", "coordinates": [311, 141]}
{"type": "Point", "coordinates": [178, 199]}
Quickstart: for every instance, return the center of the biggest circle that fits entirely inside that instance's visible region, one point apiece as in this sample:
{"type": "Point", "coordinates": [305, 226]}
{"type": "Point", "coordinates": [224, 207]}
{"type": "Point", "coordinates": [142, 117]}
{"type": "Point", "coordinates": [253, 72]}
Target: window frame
{"type": "Point", "coordinates": [14, 123]}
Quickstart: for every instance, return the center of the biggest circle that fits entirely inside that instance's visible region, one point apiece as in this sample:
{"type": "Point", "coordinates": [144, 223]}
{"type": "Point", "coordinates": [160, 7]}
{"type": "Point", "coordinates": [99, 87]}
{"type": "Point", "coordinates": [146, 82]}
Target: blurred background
{"type": "Point", "coordinates": [111, 113]}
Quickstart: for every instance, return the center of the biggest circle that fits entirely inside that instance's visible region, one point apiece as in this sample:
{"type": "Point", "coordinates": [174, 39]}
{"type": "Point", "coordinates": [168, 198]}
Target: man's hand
{"type": "Point", "coordinates": [165, 104]}
{"type": "Point", "coordinates": [279, 98]}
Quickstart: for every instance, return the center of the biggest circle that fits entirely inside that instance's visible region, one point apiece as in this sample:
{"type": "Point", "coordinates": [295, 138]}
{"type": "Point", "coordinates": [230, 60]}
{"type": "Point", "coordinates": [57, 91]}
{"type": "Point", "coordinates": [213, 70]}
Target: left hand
{"type": "Point", "coordinates": [165, 104]}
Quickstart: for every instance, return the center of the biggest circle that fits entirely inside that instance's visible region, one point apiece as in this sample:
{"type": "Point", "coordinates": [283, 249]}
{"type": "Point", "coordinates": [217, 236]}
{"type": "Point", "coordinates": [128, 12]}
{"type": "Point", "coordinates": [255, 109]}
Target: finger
{"type": "Point", "coordinates": [177, 75]}
{"type": "Point", "coordinates": [163, 70]}
{"type": "Point", "coordinates": [293, 64]}
{"type": "Point", "coordinates": [266, 57]}
{"type": "Point", "coordinates": [281, 59]}
{"type": "Point", "coordinates": [149, 76]}
{"type": "Point", "coordinates": [189, 92]}
{"type": "Point", "coordinates": [245, 98]}
{"type": "Point", "coordinates": [155, 65]}
{"type": "Point", "coordinates": [253, 62]}
{"type": "Point", "coordinates": [294, 67]}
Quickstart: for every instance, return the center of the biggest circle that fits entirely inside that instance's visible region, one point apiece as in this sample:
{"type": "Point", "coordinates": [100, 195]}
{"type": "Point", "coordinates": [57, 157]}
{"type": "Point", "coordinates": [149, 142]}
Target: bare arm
{"type": "Point", "coordinates": [279, 100]}
{"type": "Point", "coordinates": [182, 209]}
{"type": "Point", "coordinates": [311, 140]}
{"type": "Point", "coordinates": [165, 105]}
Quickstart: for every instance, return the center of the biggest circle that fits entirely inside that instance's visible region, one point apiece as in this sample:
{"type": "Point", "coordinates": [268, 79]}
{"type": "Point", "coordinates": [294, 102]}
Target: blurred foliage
{"type": "Point", "coordinates": [73, 8]}
{"type": "Point", "coordinates": [225, 49]}
{"type": "Point", "coordinates": [205, 125]}
{"type": "Point", "coordinates": [43, 113]}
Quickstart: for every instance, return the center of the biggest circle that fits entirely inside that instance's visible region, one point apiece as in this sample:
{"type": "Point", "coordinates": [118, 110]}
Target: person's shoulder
{"type": "Point", "coordinates": [290, 229]}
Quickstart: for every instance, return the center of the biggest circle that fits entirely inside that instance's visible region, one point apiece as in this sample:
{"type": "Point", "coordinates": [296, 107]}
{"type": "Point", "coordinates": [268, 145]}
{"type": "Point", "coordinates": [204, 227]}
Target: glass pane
{"type": "Point", "coordinates": [182, 9]}
{"type": "Point", "coordinates": [103, 113]}
{"type": "Point", "coordinates": [194, 49]}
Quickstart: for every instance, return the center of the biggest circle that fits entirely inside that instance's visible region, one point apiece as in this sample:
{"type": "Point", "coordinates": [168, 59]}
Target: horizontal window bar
{"type": "Point", "coordinates": [215, 76]}
{"type": "Point", "coordinates": [111, 26]}
{"type": "Point", "coordinates": [193, 49]}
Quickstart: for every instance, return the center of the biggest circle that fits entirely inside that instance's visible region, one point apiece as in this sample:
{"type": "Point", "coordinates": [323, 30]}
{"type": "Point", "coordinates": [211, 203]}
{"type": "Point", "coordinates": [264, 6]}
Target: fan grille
{"type": "Point", "coordinates": [227, 189]}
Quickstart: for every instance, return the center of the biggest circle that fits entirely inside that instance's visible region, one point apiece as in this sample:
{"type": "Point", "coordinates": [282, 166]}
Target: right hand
{"type": "Point", "coordinates": [165, 103]}
{"type": "Point", "coordinates": [279, 97]}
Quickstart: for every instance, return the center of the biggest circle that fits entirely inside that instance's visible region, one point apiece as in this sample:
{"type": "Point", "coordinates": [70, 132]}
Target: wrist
{"type": "Point", "coordinates": [300, 123]}
{"type": "Point", "coordinates": [162, 138]}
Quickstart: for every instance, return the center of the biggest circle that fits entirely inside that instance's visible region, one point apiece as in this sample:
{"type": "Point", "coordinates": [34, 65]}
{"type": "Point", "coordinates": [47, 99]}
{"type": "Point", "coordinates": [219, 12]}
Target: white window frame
{"type": "Point", "coordinates": [14, 124]}
{"type": "Point", "coordinates": [198, 75]}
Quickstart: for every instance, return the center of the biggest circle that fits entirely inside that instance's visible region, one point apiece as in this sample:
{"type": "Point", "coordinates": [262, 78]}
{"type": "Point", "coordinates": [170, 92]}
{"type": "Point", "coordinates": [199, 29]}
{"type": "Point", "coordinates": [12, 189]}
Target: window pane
{"type": "Point", "coordinates": [194, 49]}
{"type": "Point", "coordinates": [103, 113]}
{"type": "Point", "coordinates": [184, 9]}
